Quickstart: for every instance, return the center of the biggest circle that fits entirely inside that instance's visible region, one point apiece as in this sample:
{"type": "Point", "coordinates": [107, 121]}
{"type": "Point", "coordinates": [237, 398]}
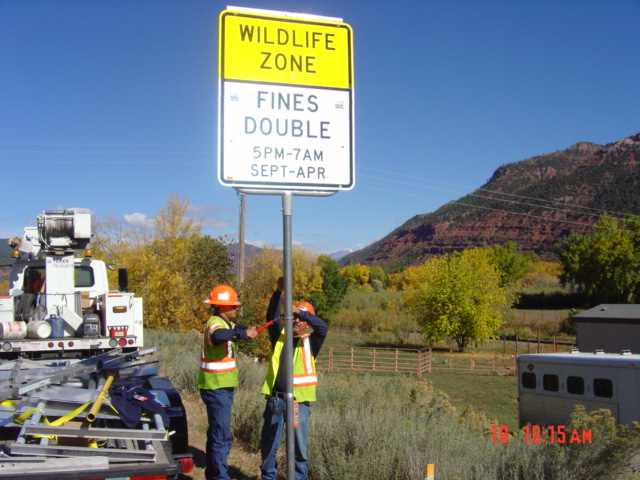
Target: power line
{"type": "Point", "coordinates": [155, 145]}
{"type": "Point", "coordinates": [513, 202]}
{"type": "Point", "coordinates": [494, 192]}
{"type": "Point", "coordinates": [561, 207]}
{"type": "Point", "coordinates": [102, 153]}
{"type": "Point", "coordinates": [458, 202]}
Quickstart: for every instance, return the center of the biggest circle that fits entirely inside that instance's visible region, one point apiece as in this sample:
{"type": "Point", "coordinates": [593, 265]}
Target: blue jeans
{"type": "Point", "coordinates": [274, 421]}
{"type": "Point", "coordinates": [218, 403]}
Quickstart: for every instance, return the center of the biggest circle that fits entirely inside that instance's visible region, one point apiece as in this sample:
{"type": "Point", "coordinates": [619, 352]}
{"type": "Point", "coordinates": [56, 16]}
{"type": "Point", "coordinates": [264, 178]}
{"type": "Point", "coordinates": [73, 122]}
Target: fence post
{"type": "Point", "coordinates": [430, 361]}
{"type": "Point", "coordinates": [396, 367]}
{"type": "Point", "coordinates": [419, 363]}
{"type": "Point", "coordinates": [330, 359]}
{"type": "Point", "coordinates": [374, 359]}
{"type": "Point", "coordinates": [351, 358]}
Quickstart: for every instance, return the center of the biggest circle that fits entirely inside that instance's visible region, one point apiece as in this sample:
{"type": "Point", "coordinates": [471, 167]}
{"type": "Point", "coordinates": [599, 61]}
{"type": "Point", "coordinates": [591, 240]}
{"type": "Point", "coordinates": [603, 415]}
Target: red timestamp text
{"type": "Point", "coordinates": [552, 434]}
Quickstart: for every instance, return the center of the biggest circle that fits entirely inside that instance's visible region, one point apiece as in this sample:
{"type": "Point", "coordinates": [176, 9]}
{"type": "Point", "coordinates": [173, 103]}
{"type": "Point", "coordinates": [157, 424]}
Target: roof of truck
{"type": "Point", "coordinates": [584, 358]}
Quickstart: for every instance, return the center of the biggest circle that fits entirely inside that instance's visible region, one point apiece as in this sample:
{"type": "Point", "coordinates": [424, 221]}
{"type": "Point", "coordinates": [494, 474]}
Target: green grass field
{"type": "Point", "coordinates": [493, 395]}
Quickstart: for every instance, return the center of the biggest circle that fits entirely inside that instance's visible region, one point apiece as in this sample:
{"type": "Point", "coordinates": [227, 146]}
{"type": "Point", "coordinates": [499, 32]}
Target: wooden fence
{"type": "Point", "coordinates": [488, 363]}
{"type": "Point", "coordinates": [413, 361]}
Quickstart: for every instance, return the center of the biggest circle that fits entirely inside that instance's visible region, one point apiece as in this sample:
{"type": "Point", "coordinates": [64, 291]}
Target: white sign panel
{"type": "Point", "coordinates": [296, 136]}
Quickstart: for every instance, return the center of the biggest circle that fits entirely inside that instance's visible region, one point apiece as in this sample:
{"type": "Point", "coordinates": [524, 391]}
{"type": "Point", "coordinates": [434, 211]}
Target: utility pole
{"type": "Point", "coordinates": [243, 209]}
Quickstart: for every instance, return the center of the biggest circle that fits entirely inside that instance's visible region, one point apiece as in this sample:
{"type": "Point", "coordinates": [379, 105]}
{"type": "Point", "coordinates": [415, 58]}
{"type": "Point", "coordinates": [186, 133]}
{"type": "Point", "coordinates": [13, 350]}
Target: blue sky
{"type": "Point", "coordinates": [111, 105]}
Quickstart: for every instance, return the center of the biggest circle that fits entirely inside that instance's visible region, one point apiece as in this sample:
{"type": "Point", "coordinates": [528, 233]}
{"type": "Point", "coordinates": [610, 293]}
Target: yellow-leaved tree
{"type": "Point", "coordinates": [459, 296]}
{"type": "Point", "coordinates": [170, 264]}
{"type": "Point", "coordinates": [263, 270]}
{"type": "Point", "coordinates": [356, 274]}
{"type": "Point", "coordinates": [261, 274]}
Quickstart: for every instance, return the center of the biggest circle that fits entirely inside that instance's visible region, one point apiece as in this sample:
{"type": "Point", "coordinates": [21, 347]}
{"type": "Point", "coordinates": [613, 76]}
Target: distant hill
{"type": "Point", "coordinates": [339, 254]}
{"type": "Point", "coordinates": [533, 202]}
{"type": "Point", "coordinates": [233, 249]}
{"type": "Point", "coordinates": [5, 249]}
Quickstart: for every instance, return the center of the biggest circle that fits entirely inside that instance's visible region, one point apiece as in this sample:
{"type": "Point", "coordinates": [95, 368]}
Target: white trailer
{"type": "Point", "coordinates": [551, 385]}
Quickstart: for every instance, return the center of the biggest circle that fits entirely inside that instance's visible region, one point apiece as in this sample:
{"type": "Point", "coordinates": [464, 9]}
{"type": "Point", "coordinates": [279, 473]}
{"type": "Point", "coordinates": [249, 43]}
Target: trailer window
{"type": "Point", "coordinates": [550, 383]}
{"type": "Point", "coordinates": [575, 385]}
{"type": "Point", "coordinates": [603, 387]}
{"type": "Point", "coordinates": [84, 276]}
{"type": "Point", "coordinates": [528, 380]}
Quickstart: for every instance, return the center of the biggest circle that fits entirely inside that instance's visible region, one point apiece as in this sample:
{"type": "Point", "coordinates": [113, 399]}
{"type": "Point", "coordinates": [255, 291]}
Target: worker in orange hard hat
{"type": "Point", "coordinates": [306, 348]}
{"type": "Point", "coordinates": [218, 376]}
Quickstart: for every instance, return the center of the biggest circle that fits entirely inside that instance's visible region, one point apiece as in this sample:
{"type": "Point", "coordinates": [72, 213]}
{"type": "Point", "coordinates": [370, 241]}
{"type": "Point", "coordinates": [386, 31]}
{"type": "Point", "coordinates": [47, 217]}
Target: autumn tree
{"type": "Point", "coordinates": [459, 296]}
{"type": "Point", "coordinates": [261, 274]}
{"type": "Point", "coordinates": [357, 274]}
{"type": "Point", "coordinates": [207, 264]}
{"type": "Point", "coordinates": [169, 264]}
{"type": "Point", "coordinates": [605, 263]}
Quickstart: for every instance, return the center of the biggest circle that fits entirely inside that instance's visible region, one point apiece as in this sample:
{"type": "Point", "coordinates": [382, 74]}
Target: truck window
{"type": "Point", "coordinates": [575, 385]}
{"type": "Point", "coordinates": [602, 387]}
{"type": "Point", "coordinates": [33, 280]}
{"type": "Point", "coordinates": [84, 276]}
{"type": "Point", "coordinates": [528, 380]}
{"type": "Point", "coordinates": [550, 382]}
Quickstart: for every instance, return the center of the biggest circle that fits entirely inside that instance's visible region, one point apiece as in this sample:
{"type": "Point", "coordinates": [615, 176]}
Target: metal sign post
{"type": "Point", "coordinates": [285, 124]}
{"type": "Point", "coordinates": [288, 329]}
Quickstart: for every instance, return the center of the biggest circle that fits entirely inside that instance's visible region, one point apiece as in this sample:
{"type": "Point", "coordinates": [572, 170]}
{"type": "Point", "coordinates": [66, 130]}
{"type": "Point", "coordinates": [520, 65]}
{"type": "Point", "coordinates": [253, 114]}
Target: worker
{"type": "Point", "coordinates": [306, 348]}
{"type": "Point", "coordinates": [218, 376]}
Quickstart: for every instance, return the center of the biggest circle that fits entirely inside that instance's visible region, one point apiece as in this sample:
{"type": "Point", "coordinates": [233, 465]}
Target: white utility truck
{"type": "Point", "coordinates": [551, 385]}
{"type": "Point", "coordinates": [79, 396]}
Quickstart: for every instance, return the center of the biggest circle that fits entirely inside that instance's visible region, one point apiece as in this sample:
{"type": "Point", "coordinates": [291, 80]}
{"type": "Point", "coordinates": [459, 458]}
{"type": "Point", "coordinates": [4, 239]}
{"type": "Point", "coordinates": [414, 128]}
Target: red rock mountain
{"type": "Point", "coordinates": [534, 203]}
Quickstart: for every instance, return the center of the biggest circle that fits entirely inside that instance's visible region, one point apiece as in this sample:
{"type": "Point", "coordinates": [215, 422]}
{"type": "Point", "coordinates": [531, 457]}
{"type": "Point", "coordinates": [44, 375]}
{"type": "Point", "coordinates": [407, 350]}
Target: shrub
{"type": "Point", "coordinates": [388, 427]}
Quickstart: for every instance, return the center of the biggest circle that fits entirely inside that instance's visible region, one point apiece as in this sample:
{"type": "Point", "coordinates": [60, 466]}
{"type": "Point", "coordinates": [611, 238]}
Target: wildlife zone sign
{"type": "Point", "coordinates": [285, 109]}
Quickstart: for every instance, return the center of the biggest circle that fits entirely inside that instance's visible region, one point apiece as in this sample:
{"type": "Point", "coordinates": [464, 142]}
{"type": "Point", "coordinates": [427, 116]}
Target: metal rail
{"type": "Point", "coordinates": [45, 390]}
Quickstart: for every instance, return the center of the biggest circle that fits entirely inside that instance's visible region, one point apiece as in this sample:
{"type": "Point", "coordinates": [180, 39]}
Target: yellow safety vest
{"type": "Point", "coordinates": [305, 378]}
{"type": "Point", "coordinates": [217, 363]}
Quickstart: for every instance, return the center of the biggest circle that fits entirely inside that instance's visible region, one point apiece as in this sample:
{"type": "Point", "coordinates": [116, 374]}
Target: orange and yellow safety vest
{"type": "Point", "coordinates": [305, 377]}
{"type": "Point", "coordinates": [218, 362]}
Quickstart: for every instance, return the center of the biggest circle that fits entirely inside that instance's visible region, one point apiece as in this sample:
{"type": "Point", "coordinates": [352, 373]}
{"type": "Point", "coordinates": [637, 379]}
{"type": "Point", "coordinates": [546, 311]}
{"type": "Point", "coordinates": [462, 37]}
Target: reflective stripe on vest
{"type": "Point", "coordinates": [309, 376]}
{"type": "Point", "coordinates": [217, 365]}
{"type": "Point", "coordinates": [226, 365]}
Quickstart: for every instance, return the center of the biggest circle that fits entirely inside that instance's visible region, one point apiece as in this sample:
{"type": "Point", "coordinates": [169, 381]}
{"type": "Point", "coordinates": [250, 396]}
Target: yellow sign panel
{"type": "Point", "coordinates": [287, 51]}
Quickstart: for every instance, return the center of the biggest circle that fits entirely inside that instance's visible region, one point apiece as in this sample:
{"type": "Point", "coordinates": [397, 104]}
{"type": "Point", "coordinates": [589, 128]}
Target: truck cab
{"type": "Point", "coordinates": [50, 283]}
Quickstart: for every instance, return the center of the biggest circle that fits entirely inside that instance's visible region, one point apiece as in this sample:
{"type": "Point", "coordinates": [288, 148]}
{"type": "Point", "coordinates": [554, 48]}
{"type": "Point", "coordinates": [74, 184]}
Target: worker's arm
{"type": "Point", "coordinates": [320, 330]}
{"type": "Point", "coordinates": [233, 334]}
{"type": "Point", "coordinates": [273, 314]}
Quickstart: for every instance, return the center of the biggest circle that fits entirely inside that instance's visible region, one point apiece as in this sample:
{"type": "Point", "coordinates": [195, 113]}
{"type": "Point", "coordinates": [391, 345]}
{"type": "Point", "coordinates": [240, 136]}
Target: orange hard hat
{"type": "Point", "coordinates": [307, 307]}
{"type": "Point", "coordinates": [223, 295]}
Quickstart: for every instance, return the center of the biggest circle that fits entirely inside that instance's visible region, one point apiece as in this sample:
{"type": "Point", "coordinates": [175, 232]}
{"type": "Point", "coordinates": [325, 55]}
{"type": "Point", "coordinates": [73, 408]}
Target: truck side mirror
{"type": "Point", "coordinates": [123, 279]}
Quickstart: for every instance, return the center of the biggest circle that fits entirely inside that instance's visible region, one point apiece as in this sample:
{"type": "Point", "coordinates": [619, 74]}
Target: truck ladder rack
{"type": "Point", "coordinates": [55, 391]}
{"type": "Point", "coordinates": [83, 432]}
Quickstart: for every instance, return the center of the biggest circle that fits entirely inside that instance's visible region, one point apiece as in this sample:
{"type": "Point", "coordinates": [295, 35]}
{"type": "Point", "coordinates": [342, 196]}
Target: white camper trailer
{"type": "Point", "coordinates": [551, 385]}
